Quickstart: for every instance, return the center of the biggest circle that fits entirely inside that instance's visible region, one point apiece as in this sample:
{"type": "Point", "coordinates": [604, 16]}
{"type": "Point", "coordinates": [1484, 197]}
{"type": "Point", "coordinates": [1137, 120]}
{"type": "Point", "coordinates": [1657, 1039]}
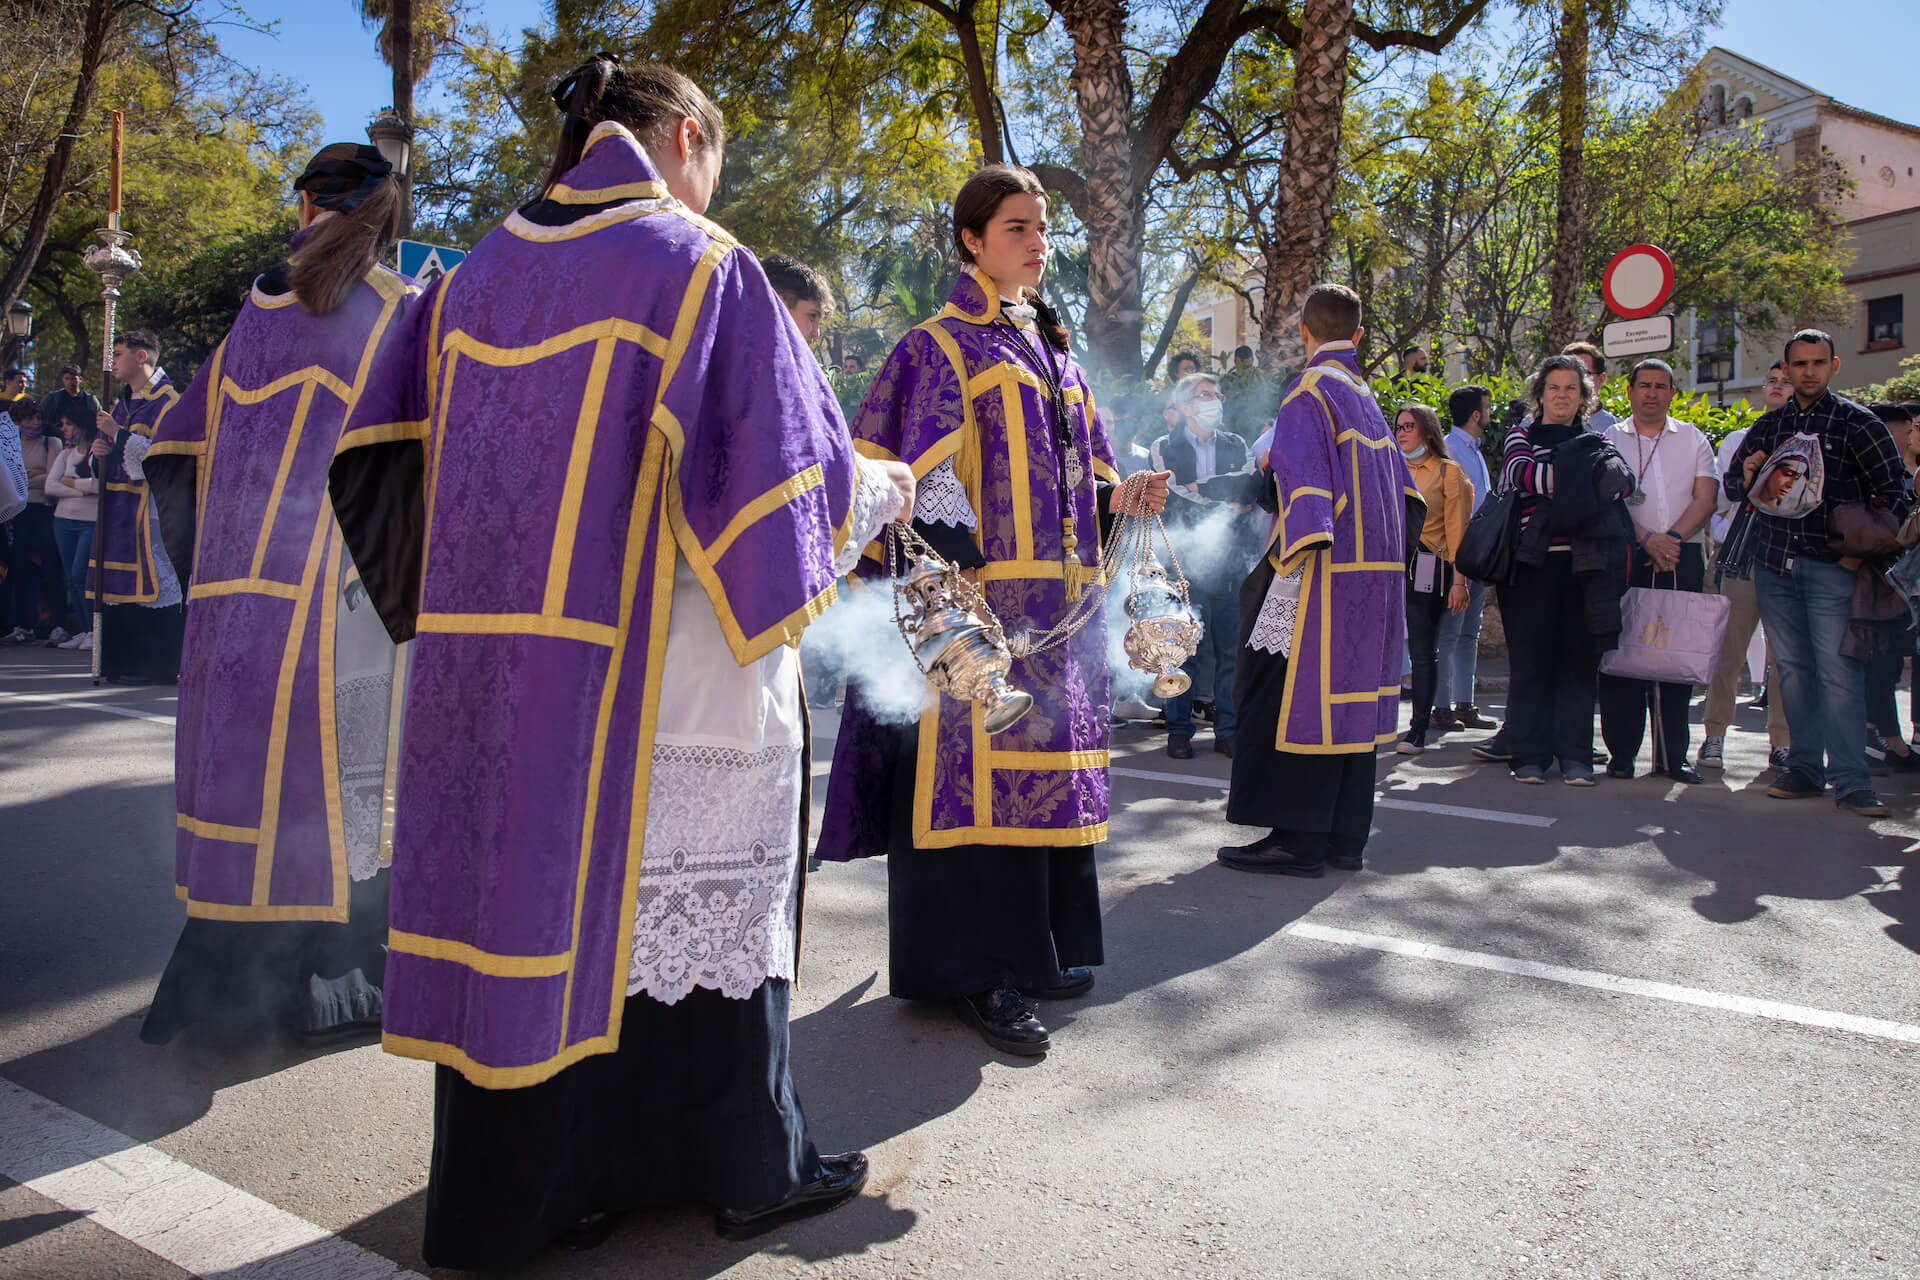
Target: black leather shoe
{"type": "Point", "coordinates": [1180, 746]}
{"type": "Point", "coordinates": [1267, 856]}
{"type": "Point", "coordinates": [839, 1180]}
{"type": "Point", "coordinates": [1223, 746]}
{"type": "Point", "coordinates": [589, 1233]}
{"type": "Point", "coordinates": [1494, 748]}
{"type": "Point", "coordinates": [1005, 1021]}
{"type": "Point", "coordinates": [1344, 861]}
{"type": "Point", "coordinates": [1685, 773]}
{"type": "Point", "coordinates": [1624, 772]}
{"type": "Point", "coordinates": [1076, 981]}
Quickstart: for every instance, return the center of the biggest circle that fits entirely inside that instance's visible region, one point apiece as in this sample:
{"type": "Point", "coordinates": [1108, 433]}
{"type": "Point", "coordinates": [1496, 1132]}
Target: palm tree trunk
{"type": "Point", "coordinates": [1304, 190]}
{"type": "Point", "coordinates": [1115, 214]}
{"type": "Point", "coordinates": [1569, 239]}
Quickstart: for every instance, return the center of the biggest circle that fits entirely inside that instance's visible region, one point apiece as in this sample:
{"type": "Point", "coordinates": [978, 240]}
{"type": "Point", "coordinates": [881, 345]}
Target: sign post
{"type": "Point", "coordinates": [1636, 284]}
{"type": "Point", "coordinates": [425, 262]}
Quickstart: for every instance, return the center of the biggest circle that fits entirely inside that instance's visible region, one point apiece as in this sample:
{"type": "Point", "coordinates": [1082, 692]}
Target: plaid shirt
{"type": "Point", "coordinates": [1861, 465]}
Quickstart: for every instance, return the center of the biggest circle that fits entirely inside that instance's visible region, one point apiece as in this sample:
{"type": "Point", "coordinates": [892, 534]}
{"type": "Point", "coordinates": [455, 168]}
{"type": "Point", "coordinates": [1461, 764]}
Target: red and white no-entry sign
{"type": "Point", "coordinates": [1638, 281]}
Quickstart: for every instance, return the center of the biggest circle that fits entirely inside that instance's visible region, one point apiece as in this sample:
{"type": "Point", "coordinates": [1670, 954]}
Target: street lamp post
{"type": "Point", "coordinates": [1719, 368]}
{"type": "Point", "coordinates": [19, 328]}
{"type": "Point", "coordinates": [393, 136]}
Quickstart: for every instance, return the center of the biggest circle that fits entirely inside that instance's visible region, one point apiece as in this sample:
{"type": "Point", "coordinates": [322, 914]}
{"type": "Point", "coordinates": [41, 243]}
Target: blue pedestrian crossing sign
{"type": "Point", "coordinates": [426, 262]}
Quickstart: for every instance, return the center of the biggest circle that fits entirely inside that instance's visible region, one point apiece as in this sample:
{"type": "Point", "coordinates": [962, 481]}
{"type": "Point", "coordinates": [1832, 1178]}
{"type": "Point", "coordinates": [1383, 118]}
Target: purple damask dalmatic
{"type": "Point", "coordinates": [957, 388]}
{"type": "Point", "coordinates": [1344, 491]}
{"type": "Point", "coordinates": [238, 470]}
{"type": "Point", "coordinates": [588, 397]}
{"type": "Point", "coordinates": [126, 556]}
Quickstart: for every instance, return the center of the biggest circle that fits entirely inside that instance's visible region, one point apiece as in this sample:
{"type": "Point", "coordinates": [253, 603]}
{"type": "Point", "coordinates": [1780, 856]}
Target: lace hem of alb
{"type": "Point", "coordinates": [875, 501]}
{"type": "Point", "coordinates": [1273, 629]}
{"type": "Point", "coordinates": [940, 498]}
{"type": "Point", "coordinates": [360, 718]}
{"type": "Point", "coordinates": [716, 900]}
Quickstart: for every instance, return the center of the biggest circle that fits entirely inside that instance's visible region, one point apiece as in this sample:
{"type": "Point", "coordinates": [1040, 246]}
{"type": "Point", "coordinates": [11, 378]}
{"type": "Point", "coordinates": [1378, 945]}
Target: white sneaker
{"type": "Point", "coordinates": [86, 642]}
{"type": "Point", "coordinates": [60, 634]}
{"type": "Point", "coordinates": [72, 642]}
{"type": "Point", "coordinates": [19, 635]}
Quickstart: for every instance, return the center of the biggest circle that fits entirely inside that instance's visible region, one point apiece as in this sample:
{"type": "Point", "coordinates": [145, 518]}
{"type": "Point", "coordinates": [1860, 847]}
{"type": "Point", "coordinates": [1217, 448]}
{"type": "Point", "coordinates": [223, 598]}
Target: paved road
{"type": "Point", "coordinates": [1635, 1031]}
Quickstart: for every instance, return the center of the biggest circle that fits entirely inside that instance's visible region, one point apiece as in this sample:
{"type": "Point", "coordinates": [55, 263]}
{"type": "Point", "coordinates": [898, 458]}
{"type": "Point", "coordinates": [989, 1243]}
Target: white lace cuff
{"type": "Point", "coordinates": [1273, 629]}
{"type": "Point", "coordinates": [136, 453]}
{"type": "Point", "coordinates": [875, 501]}
{"type": "Point", "coordinates": [940, 498]}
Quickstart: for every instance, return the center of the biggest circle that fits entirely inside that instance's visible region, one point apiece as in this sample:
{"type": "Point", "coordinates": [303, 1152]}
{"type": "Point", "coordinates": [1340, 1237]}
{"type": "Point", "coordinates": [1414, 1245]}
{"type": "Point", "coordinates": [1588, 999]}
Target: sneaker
{"type": "Point", "coordinates": [1710, 754]}
{"type": "Point", "coordinates": [19, 635]}
{"type": "Point", "coordinates": [1794, 785]}
{"type": "Point", "coordinates": [1494, 748]}
{"type": "Point", "coordinates": [1760, 699]}
{"type": "Point", "coordinates": [1877, 753]}
{"type": "Point", "coordinates": [1777, 758]}
{"type": "Point", "coordinates": [86, 642]}
{"type": "Point", "coordinates": [74, 642]}
{"type": "Point", "coordinates": [1412, 743]}
{"type": "Point", "coordinates": [1576, 774]}
{"type": "Point", "coordinates": [60, 636]}
{"type": "Point", "coordinates": [1531, 774]}
{"type": "Point", "coordinates": [1864, 803]}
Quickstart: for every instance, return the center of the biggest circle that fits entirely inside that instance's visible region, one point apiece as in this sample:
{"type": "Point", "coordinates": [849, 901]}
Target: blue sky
{"type": "Point", "coordinates": [1845, 50]}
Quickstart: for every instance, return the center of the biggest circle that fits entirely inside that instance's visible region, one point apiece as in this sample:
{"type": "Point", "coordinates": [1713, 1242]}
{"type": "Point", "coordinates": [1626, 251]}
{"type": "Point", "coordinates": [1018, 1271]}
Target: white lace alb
{"type": "Point", "coordinates": [940, 498]}
{"type": "Point", "coordinates": [1273, 629]}
{"type": "Point", "coordinates": [718, 871]}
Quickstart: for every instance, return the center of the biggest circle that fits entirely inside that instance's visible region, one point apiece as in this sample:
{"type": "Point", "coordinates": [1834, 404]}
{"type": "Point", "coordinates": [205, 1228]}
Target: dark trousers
{"type": "Point", "coordinates": [33, 568]}
{"type": "Point", "coordinates": [1623, 702]}
{"type": "Point", "coordinates": [1551, 694]}
{"type": "Point", "coordinates": [1219, 610]}
{"type": "Point", "coordinates": [1884, 669]}
{"type": "Point", "coordinates": [1425, 609]}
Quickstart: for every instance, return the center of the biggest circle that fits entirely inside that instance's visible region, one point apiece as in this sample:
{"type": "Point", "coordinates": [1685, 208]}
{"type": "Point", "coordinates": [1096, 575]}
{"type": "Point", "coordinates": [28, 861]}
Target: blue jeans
{"type": "Point", "coordinates": [1805, 613]}
{"type": "Point", "coordinates": [1460, 649]}
{"type": "Point", "coordinates": [74, 538]}
{"type": "Point", "coordinates": [1219, 611]}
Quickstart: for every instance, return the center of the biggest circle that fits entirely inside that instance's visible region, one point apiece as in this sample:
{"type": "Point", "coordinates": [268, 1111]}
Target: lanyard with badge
{"type": "Point", "coordinates": [1646, 460]}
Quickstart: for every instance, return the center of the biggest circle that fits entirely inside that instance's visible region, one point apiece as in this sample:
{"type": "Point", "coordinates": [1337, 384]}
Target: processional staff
{"type": "Point", "coordinates": [114, 262]}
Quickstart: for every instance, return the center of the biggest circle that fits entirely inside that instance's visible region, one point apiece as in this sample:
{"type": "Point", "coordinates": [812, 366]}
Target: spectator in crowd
{"type": "Point", "coordinates": [1129, 455]}
{"type": "Point", "coordinates": [53, 409]}
{"type": "Point", "coordinates": [72, 483]}
{"type": "Point", "coordinates": [1675, 483]}
{"type": "Point", "coordinates": [852, 366]}
{"type": "Point", "coordinates": [1171, 419]}
{"type": "Point", "coordinates": [13, 386]}
{"type": "Point", "coordinates": [1206, 520]}
{"type": "Point", "coordinates": [1887, 751]}
{"type": "Point", "coordinates": [808, 296]}
{"type": "Point", "coordinates": [1414, 362]}
{"type": "Point", "coordinates": [1250, 394]}
{"type": "Point", "coordinates": [1595, 360]}
{"type": "Point", "coordinates": [1735, 582]}
{"type": "Point", "coordinates": [1183, 365]}
{"type": "Point", "coordinates": [1566, 584]}
{"type": "Point", "coordinates": [1433, 589]}
{"type": "Point", "coordinates": [1470, 409]}
{"type": "Point", "coordinates": [33, 561]}
{"type": "Point", "coordinates": [1805, 591]}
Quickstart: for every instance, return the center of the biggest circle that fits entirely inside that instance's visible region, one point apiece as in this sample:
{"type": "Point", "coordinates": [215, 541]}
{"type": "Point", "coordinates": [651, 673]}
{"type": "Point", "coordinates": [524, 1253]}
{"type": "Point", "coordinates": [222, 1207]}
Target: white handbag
{"type": "Point", "coordinates": [1670, 636]}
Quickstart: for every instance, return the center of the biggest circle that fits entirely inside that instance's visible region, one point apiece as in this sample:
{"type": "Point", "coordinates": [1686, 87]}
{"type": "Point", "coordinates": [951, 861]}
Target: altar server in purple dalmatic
{"type": "Point", "coordinates": [992, 896]}
{"type": "Point", "coordinates": [138, 590]}
{"type": "Point", "coordinates": [602, 485]}
{"type": "Point", "coordinates": [287, 678]}
{"type": "Point", "coordinates": [1322, 615]}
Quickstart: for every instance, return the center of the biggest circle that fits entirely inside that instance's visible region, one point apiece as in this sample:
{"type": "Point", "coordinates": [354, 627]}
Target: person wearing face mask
{"type": "Point", "coordinates": [993, 898]}
{"type": "Point", "coordinates": [598, 845]}
{"type": "Point", "coordinates": [1433, 588]}
{"type": "Point", "coordinates": [1215, 543]}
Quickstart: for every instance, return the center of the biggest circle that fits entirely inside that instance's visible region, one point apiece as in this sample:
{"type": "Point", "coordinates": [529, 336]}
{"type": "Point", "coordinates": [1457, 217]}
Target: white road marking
{"type": "Point", "coordinates": [1382, 802]}
{"type": "Point", "coordinates": [1805, 1016]}
{"type": "Point", "coordinates": [169, 1208]}
{"type": "Point", "coordinates": [86, 704]}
